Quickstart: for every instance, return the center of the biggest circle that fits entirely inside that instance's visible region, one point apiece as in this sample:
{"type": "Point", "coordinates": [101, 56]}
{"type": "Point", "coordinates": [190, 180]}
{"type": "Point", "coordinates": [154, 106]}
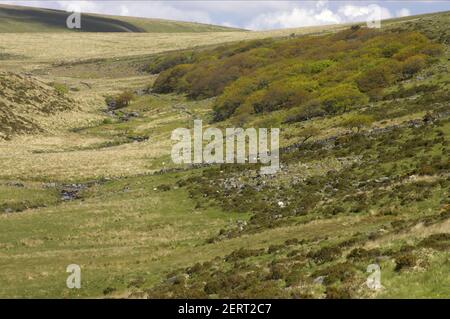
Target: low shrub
{"type": "Point", "coordinates": [243, 253]}
{"type": "Point", "coordinates": [341, 272]}
{"type": "Point", "coordinates": [334, 292]}
{"type": "Point", "coordinates": [325, 254]}
{"type": "Point", "coordinates": [405, 261]}
{"type": "Point", "coordinates": [60, 88]}
{"type": "Point", "coordinates": [437, 241]}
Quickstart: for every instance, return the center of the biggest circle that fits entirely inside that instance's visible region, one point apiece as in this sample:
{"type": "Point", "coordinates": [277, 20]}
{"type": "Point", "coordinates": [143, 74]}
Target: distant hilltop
{"type": "Point", "coordinates": [30, 19]}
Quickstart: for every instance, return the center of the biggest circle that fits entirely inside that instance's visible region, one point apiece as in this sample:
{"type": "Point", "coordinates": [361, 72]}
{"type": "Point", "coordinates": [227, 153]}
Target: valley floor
{"type": "Point", "coordinates": [100, 190]}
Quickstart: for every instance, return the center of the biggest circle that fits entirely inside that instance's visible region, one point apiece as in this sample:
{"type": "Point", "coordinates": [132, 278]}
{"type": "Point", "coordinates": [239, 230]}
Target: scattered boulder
{"type": "Point", "coordinates": [15, 184]}
{"type": "Point", "coordinates": [71, 192]}
{"type": "Point", "coordinates": [319, 280]}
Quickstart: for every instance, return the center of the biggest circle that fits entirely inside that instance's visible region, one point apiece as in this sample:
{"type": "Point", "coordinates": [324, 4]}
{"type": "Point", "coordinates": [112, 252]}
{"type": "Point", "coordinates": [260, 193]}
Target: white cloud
{"type": "Point", "coordinates": [320, 14]}
{"type": "Point", "coordinates": [354, 13]}
{"type": "Point", "coordinates": [403, 12]}
{"type": "Point", "coordinates": [297, 17]}
{"type": "Point", "coordinates": [156, 9]}
{"type": "Point", "coordinates": [79, 6]}
{"type": "Point", "coordinates": [124, 10]}
{"type": "Point", "coordinates": [327, 16]}
{"type": "Point", "coordinates": [321, 3]}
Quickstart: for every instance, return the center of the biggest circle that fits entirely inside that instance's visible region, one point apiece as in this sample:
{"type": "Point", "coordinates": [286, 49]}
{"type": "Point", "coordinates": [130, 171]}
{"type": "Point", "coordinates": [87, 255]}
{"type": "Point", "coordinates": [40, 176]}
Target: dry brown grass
{"type": "Point", "coordinates": [41, 48]}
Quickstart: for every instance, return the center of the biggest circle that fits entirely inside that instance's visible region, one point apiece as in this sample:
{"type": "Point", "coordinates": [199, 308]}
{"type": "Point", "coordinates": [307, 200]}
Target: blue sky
{"type": "Point", "coordinates": [254, 15]}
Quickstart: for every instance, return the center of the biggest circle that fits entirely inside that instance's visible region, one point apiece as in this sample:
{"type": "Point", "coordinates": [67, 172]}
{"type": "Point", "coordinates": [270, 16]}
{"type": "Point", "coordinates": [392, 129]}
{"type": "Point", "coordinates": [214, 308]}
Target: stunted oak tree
{"type": "Point", "coordinates": [341, 97]}
{"type": "Point", "coordinates": [124, 99]}
{"type": "Point", "coordinates": [357, 121]}
{"type": "Point", "coordinates": [307, 133]}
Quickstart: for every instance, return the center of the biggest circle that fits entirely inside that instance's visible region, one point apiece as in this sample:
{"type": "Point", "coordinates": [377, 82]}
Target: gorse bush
{"type": "Point", "coordinates": [60, 88]}
{"type": "Point", "coordinates": [339, 98]}
{"type": "Point", "coordinates": [124, 99]}
{"type": "Point", "coordinates": [164, 62]}
{"type": "Point", "coordinates": [120, 100]}
{"type": "Point", "coordinates": [405, 261]}
{"type": "Point", "coordinates": [357, 121]}
{"type": "Point", "coordinates": [315, 74]}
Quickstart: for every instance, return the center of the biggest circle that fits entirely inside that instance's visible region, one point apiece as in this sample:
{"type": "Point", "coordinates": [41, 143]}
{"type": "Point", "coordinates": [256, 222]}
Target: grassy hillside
{"type": "Point", "coordinates": [25, 101]}
{"type": "Point", "coordinates": [366, 153]}
{"type": "Point", "coordinates": [29, 19]}
{"type": "Point", "coordinates": [364, 177]}
{"type": "Point", "coordinates": [313, 75]}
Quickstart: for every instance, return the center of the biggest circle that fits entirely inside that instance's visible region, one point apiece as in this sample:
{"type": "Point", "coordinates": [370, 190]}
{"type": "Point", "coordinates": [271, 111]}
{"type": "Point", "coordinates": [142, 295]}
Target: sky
{"type": "Point", "coordinates": [252, 15]}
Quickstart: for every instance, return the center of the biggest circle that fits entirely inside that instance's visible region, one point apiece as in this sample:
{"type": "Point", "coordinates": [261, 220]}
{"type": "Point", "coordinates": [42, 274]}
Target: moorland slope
{"type": "Point", "coordinates": [364, 180]}
{"type": "Point", "coordinates": [30, 19]}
